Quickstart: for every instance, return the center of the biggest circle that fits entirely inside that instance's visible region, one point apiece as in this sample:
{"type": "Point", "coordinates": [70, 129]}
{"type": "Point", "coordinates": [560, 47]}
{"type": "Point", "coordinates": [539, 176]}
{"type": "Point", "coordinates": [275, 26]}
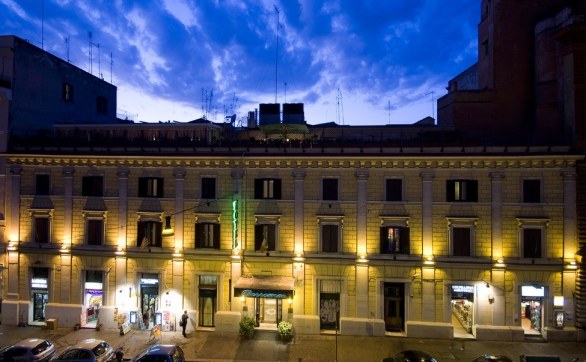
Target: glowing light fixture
{"type": "Point", "coordinates": [168, 230]}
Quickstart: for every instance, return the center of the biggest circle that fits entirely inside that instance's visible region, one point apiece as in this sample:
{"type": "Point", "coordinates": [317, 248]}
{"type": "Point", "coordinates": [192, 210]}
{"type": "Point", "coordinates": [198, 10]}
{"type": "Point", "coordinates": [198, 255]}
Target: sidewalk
{"type": "Point", "coordinates": [216, 346]}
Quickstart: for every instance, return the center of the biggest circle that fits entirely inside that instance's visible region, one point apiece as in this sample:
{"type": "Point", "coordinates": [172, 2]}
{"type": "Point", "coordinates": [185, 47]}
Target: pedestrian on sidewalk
{"type": "Point", "coordinates": [183, 322]}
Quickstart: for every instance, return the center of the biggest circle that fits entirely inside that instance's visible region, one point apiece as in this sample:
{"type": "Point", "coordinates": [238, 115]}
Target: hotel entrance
{"type": "Point", "coordinates": [394, 307]}
{"type": "Point", "coordinates": [208, 285]}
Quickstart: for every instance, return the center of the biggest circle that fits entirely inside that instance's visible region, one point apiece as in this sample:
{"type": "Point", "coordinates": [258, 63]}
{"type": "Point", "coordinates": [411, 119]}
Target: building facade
{"type": "Point", "coordinates": [416, 241]}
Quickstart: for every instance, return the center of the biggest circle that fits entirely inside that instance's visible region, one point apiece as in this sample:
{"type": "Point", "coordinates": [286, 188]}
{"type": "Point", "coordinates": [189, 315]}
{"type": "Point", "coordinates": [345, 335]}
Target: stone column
{"type": "Point", "coordinates": [299, 261]}
{"type": "Point", "coordinates": [179, 216]}
{"type": "Point", "coordinates": [427, 271]}
{"type": "Point", "coordinates": [238, 241]}
{"type": "Point", "coordinates": [68, 173]}
{"type": "Point", "coordinates": [13, 228]}
{"type": "Point", "coordinates": [570, 241]}
{"type": "Point", "coordinates": [498, 271]}
{"type": "Point", "coordinates": [122, 209]}
{"type": "Point", "coordinates": [361, 269]}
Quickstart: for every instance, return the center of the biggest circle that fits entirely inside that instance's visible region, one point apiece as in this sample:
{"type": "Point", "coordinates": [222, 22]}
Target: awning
{"type": "Point", "coordinates": [265, 286]}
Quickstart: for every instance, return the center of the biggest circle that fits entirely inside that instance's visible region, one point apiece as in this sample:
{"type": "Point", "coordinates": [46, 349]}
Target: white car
{"type": "Point", "coordinates": [90, 350]}
{"type": "Point", "coordinates": [30, 349]}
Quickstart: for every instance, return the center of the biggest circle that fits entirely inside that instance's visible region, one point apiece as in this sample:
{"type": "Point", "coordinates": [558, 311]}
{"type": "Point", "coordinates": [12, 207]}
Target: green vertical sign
{"type": "Point", "coordinates": [234, 224]}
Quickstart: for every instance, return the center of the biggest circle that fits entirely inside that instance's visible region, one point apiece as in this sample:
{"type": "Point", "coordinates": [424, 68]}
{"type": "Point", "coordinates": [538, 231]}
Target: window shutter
{"type": "Point", "coordinates": [258, 185]}
{"type": "Point", "coordinates": [384, 247]}
{"type": "Point", "coordinates": [159, 234]}
{"type": "Point", "coordinates": [216, 236]}
{"type": "Point", "coordinates": [257, 237]}
{"type": "Point", "coordinates": [472, 190]}
{"type": "Point", "coordinates": [272, 237]}
{"type": "Point", "coordinates": [199, 235]}
{"type": "Point", "coordinates": [160, 187]}
{"type": "Point", "coordinates": [142, 187]}
{"type": "Point", "coordinates": [405, 240]}
{"type": "Point", "coordinates": [277, 189]}
{"type": "Point", "coordinates": [450, 192]}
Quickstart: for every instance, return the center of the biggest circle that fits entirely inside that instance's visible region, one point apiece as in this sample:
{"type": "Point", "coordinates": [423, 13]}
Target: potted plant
{"type": "Point", "coordinates": [285, 331]}
{"type": "Point", "coordinates": [247, 327]}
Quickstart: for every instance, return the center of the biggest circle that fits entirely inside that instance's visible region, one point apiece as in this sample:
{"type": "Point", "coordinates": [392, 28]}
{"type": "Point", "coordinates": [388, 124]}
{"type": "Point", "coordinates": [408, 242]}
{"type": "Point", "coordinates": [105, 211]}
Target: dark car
{"type": "Point", "coordinates": [492, 358]}
{"type": "Point", "coordinates": [411, 356]}
{"type": "Point", "coordinates": [161, 353]}
{"type": "Point", "coordinates": [30, 349]}
{"type": "Point", "coordinates": [88, 350]}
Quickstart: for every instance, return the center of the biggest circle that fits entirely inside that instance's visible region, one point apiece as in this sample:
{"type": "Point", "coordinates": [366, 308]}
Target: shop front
{"type": "Point", "coordinates": [149, 300]}
{"type": "Point", "coordinates": [462, 307]}
{"type": "Point", "coordinates": [267, 294]}
{"type": "Point", "coordinates": [39, 294]}
{"type": "Point", "coordinates": [532, 298]}
{"type": "Point", "coordinates": [93, 296]}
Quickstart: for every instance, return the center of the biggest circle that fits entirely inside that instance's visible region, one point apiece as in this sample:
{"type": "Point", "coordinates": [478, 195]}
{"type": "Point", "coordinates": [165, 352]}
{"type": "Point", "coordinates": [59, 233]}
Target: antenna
{"type": "Point", "coordinates": [432, 105]}
{"type": "Point", "coordinates": [43, 25]}
{"type": "Point", "coordinates": [111, 63]}
{"type": "Point", "coordinates": [277, 52]}
{"type": "Point", "coordinates": [67, 47]}
{"type": "Point", "coordinates": [99, 62]}
{"type": "Point", "coordinates": [89, 34]}
{"type": "Point", "coordinates": [339, 108]}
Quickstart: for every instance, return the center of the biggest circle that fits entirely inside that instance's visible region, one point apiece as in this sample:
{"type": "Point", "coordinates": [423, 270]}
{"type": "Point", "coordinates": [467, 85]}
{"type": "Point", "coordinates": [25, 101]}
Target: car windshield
{"type": "Point", "coordinates": [41, 347]}
{"type": "Point", "coordinates": [178, 355]}
{"type": "Point", "coordinates": [101, 348]}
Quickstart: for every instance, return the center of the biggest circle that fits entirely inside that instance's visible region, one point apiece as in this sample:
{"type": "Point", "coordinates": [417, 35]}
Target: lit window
{"type": "Point", "coordinates": [462, 190]}
{"type": "Point", "coordinates": [267, 188]}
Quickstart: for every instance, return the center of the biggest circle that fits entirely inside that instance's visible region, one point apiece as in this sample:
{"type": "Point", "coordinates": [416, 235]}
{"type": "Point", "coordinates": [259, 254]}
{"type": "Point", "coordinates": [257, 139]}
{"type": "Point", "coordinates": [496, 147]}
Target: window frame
{"type": "Point", "coordinates": [337, 221]}
{"type": "Point", "coordinates": [401, 223]}
{"type": "Point", "coordinates": [208, 219]}
{"type": "Point", "coordinates": [267, 188]}
{"type": "Point", "coordinates": [149, 220]}
{"type": "Point", "coordinates": [205, 188]}
{"type": "Point", "coordinates": [91, 187]}
{"type": "Point", "coordinates": [39, 187]}
{"type": "Point", "coordinates": [462, 190]}
{"type": "Point", "coordinates": [469, 223]}
{"type": "Point", "coordinates": [273, 221]}
{"type": "Point", "coordinates": [540, 224]}
{"type": "Point", "coordinates": [325, 195]}
{"type": "Point", "coordinates": [527, 193]}
{"type": "Point", "coordinates": [46, 216]}
{"type": "Point", "coordinates": [68, 92]}
{"type": "Point", "coordinates": [151, 187]}
{"type": "Point", "coordinates": [92, 216]}
{"type": "Point", "coordinates": [389, 195]}
{"type": "Point", "coordinates": [215, 235]}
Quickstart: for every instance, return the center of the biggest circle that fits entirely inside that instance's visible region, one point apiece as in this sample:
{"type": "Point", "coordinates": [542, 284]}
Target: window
{"type": "Point", "coordinates": [330, 233]}
{"type": "Point", "coordinates": [532, 191]}
{"type": "Point", "coordinates": [149, 234]}
{"type": "Point", "coordinates": [461, 239]}
{"type": "Point", "coordinates": [208, 187]}
{"type": "Point", "coordinates": [95, 231]}
{"type": "Point", "coordinates": [150, 187]}
{"type": "Point", "coordinates": [267, 188]}
{"type": "Point", "coordinates": [462, 233]}
{"type": "Point", "coordinates": [42, 230]}
{"type": "Point", "coordinates": [42, 184]}
{"type": "Point", "coordinates": [207, 235]}
{"type": "Point", "coordinates": [462, 190]}
{"type": "Point", "coordinates": [532, 243]}
{"type": "Point", "coordinates": [101, 105]}
{"type": "Point", "coordinates": [394, 240]}
{"type": "Point", "coordinates": [67, 92]}
{"type": "Point", "coordinates": [394, 189]}
{"type": "Point", "coordinates": [329, 189]}
{"type": "Point", "coordinates": [92, 186]}
{"type": "Point", "coordinates": [532, 237]}
{"type": "Point", "coordinates": [265, 236]}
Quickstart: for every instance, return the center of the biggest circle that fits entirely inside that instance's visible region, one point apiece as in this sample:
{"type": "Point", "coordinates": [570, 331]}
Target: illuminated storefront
{"type": "Point", "coordinates": [40, 294]}
{"type": "Point", "coordinates": [93, 298]}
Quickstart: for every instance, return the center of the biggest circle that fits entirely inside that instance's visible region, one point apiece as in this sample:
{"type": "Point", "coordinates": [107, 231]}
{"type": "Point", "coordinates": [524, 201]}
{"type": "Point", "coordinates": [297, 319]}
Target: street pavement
{"type": "Point", "coordinates": [215, 346]}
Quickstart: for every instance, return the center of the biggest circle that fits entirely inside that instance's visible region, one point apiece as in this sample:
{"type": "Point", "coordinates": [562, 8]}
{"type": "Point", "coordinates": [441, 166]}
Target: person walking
{"type": "Point", "coordinates": [183, 322]}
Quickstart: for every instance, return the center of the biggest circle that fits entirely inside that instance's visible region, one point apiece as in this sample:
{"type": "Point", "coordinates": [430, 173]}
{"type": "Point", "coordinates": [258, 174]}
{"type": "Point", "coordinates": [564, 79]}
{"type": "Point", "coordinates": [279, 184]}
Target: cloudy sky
{"type": "Point", "coordinates": [350, 62]}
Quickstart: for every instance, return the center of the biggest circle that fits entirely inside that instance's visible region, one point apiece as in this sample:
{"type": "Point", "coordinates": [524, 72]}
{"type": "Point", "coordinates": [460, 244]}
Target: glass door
{"type": "Point", "coordinates": [207, 307]}
{"type": "Point", "coordinates": [394, 306]}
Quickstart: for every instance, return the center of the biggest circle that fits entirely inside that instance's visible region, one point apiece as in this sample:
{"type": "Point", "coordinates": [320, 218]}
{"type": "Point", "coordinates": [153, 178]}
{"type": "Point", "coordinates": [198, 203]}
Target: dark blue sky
{"type": "Point", "coordinates": [351, 62]}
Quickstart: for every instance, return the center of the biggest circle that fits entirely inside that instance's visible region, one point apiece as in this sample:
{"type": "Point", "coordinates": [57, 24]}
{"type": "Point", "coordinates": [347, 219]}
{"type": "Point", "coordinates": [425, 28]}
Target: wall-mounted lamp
{"type": "Point", "coordinates": [572, 265]}
{"type": "Point", "coordinates": [298, 257]}
{"type": "Point", "coordinates": [168, 230]}
{"type": "Point", "coordinates": [235, 254]}
{"type": "Point", "coordinates": [119, 251]}
{"type": "Point", "coordinates": [177, 253]}
{"type": "Point", "coordinates": [12, 246]}
{"type": "Point", "coordinates": [499, 263]}
{"type": "Point", "coordinates": [428, 260]}
{"type": "Point", "coordinates": [362, 259]}
{"type": "Point", "coordinates": [64, 248]}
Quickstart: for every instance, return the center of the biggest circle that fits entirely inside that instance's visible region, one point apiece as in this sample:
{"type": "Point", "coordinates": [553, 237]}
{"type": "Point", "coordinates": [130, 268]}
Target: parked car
{"type": "Point", "coordinates": [492, 358]}
{"type": "Point", "coordinates": [160, 353]}
{"type": "Point", "coordinates": [411, 356]}
{"type": "Point", "coordinates": [30, 349]}
{"type": "Point", "coordinates": [88, 350]}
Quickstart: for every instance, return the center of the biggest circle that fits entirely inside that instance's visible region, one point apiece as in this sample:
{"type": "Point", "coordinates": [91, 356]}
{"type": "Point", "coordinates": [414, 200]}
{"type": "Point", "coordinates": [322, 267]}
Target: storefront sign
{"type": "Point", "coordinates": [531, 291]}
{"type": "Point", "coordinates": [149, 281]}
{"type": "Point", "coordinates": [39, 283]}
{"type": "Point", "coordinates": [462, 288]}
{"type": "Point", "coordinates": [93, 285]}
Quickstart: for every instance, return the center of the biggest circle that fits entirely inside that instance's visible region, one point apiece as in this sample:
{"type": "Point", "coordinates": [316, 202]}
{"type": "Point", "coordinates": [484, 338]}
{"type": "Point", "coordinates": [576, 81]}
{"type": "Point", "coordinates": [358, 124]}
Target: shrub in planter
{"type": "Point", "coordinates": [247, 327]}
{"type": "Point", "coordinates": [285, 330]}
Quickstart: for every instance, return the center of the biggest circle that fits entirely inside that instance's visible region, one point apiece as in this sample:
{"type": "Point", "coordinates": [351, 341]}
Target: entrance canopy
{"type": "Point", "coordinates": [265, 286]}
